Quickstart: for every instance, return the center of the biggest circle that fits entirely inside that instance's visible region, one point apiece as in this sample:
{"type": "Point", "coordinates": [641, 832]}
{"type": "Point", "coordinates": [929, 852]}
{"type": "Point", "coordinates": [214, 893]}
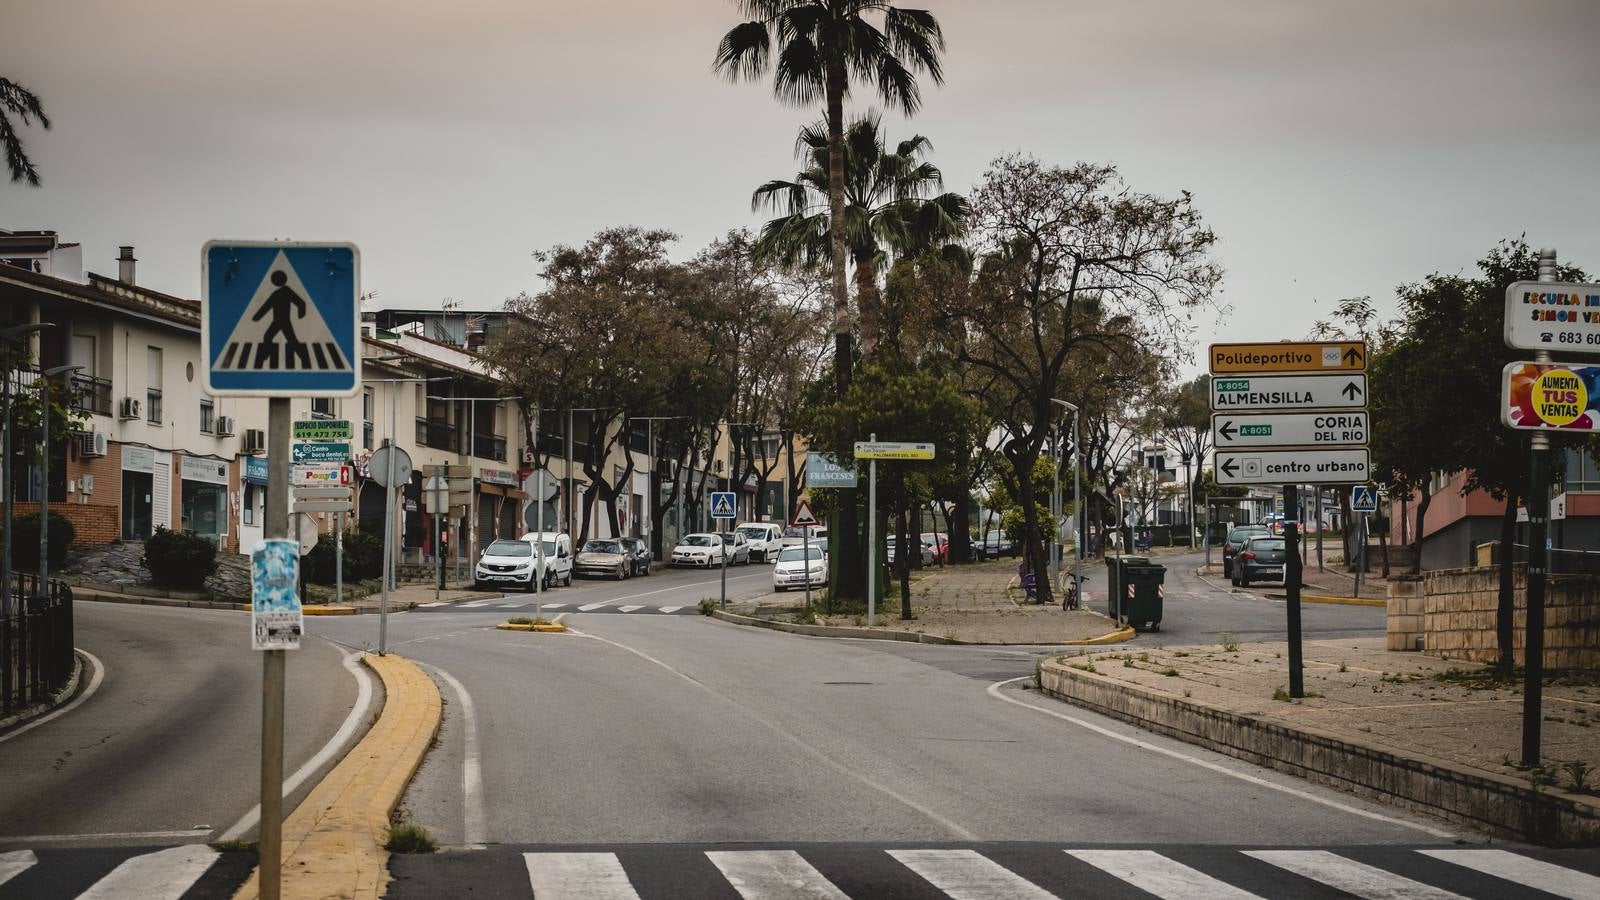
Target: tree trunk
{"type": "Point", "coordinates": [1505, 609]}
{"type": "Point", "coordinates": [1033, 543]}
{"type": "Point", "coordinates": [1383, 544]}
{"type": "Point", "coordinates": [904, 544]}
{"type": "Point", "coordinates": [1416, 542]}
{"type": "Point", "coordinates": [959, 528]}
{"type": "Point", "coordinates": [867, 304]}
{"type": "Point", "coordinates": [848, 581]}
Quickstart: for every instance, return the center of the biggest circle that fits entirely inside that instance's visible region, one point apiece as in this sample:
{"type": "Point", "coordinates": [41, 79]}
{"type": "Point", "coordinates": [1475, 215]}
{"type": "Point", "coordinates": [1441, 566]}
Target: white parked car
{"type": "Point", "coordinates": [703, 550]}
{"type": "Point", "coordinates": [763, 538]}
{"type": "Point", "coordinates": [511, 563]}
{"type": "Point", "coordinates": [794, 569]}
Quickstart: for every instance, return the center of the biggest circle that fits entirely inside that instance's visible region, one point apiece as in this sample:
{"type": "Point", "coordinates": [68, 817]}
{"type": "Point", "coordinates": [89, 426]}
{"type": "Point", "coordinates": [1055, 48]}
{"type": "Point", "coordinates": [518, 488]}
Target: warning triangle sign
{"type": "Point", "coordinates": [281, 329]}
{"type": "Point", "coordinates": [803, 516]}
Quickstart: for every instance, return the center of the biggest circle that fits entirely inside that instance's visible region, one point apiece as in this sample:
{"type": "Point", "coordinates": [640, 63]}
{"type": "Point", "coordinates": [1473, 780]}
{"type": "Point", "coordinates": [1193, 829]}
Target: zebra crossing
{"type": "Point", "coordinates": [186, 872]}
{"type": "Point", "coordinates": [999, 872]}
{"type": "Point", "coordinates": [526, 602]}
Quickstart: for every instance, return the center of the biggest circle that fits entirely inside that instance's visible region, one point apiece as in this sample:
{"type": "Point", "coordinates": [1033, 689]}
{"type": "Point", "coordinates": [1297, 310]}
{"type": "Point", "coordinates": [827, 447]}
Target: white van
{"type": "Point", "coordinates": [763, 539]}
{"type": "Point", "coordinates": [505, 564]}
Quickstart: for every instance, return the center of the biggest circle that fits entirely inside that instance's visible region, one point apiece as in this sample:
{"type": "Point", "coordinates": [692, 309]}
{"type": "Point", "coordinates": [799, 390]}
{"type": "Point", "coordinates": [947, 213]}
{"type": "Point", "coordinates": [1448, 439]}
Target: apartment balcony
{"type": "Point", "coordinates": [437, 434]}
{"type": "Point", "coordinates": [91, 394]}
{"type": "Point", "coordinates": [489, 446]}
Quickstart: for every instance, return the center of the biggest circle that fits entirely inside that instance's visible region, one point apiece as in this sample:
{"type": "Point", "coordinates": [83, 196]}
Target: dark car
{"type": "Point", "coordinates": [1237, 538]}
{"type": "Point", "coordinates": [638, 554]}
{"type": "Point", "coordinates": [1262, 559]}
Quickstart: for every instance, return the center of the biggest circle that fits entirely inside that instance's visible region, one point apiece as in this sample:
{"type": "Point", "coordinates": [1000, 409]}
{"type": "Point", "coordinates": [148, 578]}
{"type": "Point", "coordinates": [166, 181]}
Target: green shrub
{"type": "Point", "coordinates": [363, 558]}
{"type": "Point", "coordinates": [25, 541]}
{"type": "Point", "coordinates": [409, 837]}
{"type": "Point", "coordinates": [179, 559]}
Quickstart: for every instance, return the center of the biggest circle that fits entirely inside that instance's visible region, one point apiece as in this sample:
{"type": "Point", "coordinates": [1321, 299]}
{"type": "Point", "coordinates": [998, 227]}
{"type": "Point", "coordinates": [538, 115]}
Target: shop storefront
{"type": "Point", "coordinates": [252, 503]}
{"type": "Point", "coordinates": [146, 491]}
{"type": "Point", "coordinates": [203, 497]}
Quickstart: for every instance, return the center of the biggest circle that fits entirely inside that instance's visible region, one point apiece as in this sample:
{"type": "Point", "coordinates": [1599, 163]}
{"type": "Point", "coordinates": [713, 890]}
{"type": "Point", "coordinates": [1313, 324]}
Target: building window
{"type": "Point", "coordinates": [152, 397]}
{"type": "Point", "coordinates": [1582, 472]}
{"type": "Point", "coordinates": [367, 404]}
{"type": "Point", "coordinates": [207, 416]}
{"type": "Point", "coordinates": [152, 406]}
{"type": "Point", "coordinates": [321, 407]}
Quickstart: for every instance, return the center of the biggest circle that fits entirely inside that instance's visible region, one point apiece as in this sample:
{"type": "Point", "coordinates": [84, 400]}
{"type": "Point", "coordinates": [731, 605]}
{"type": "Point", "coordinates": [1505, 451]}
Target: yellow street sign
{"type": "Point", "coordinates": [893, 450]}
{"type": "Point", "coordinates": [1287, 356]}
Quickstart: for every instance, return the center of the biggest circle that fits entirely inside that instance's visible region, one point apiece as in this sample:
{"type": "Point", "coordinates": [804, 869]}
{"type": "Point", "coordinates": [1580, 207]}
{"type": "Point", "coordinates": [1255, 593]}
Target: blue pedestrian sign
{"type": "Point", "coordinates": [281, 319]}
{"type": "Point", "coordinates": [722, 505]}
{"type": "Point", "coordinates": [1363, 499]}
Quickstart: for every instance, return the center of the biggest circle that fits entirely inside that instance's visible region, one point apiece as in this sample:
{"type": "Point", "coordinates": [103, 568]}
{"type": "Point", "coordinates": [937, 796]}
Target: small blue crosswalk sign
{"type": "Point", "coordinates": [281, 319]}
{"type": "Point", "coordinates": [1363, 499]}
{"type": "Point", "coordinates": [722, 505]}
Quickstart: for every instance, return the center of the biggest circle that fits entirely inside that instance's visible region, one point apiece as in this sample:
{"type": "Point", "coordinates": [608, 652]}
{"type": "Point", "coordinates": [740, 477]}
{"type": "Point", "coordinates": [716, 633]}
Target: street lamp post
{"type": "Point", "coordinates": [44, 468]}
{"type": "Point", "coordinates": [7, 335]}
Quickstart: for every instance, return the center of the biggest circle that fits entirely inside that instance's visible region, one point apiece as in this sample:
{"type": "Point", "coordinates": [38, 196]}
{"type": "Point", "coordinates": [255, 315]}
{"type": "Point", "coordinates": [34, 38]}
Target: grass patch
{"type": "Point", "coordinates": [1578, 773]}
{"type": "Point", "coordinates": [1229, 641]}
{"type": "Point", "coordinates": [1171, 673]}
{"type": "Point", "coordinates": [409, 837]}
{"type": "Point", "coordinates": [519, 620]}
{"type": "Point", "coordinates": [1281, 695]}
{"type": "Point", "coordinates": [707, 605]}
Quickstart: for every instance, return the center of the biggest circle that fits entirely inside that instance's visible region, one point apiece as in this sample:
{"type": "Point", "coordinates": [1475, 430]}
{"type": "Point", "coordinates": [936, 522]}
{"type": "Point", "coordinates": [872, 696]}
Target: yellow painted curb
{"type": "Point", "coordinates": [328, 610]}
{"type": "Point", "coordinates": [548, 627]}
{"type": "Point", "coordinates": [1114, 637]}
{"type": "Point", "coordinates": [333, 841]}
{"type": "Point", "coordinates": [1343, 601]}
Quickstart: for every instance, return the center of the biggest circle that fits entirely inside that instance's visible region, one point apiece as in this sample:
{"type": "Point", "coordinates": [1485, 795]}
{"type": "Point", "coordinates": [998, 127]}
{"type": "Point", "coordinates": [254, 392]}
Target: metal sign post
{"type": "Point", "coordinates": [1291, 583]}
{"type": "Point", "coordinates": [724, 506]}
{"type": "Point", "coordinates": [391, 467]}
{"type": "Point", "coordinates": [873, 450]}
{"type": "Point", "coordinates": [805, 520]}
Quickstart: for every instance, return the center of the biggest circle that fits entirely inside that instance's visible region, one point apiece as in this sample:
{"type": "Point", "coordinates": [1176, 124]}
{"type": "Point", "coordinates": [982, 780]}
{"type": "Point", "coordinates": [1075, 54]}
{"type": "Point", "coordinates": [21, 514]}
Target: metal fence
{"type": "Point", "coordinates": [1564, 562]}
{"type": "Point", "coordinates": [35, 643]}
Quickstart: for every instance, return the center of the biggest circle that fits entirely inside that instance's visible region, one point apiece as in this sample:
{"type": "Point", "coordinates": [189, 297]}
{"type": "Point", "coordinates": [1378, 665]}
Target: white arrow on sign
{"type": "Point", "coordinates": [1293, 466]}
{"type": "Point", "coordinates": [1321, 429]}
{"type": "Point", "coordinates": [1247, 393]}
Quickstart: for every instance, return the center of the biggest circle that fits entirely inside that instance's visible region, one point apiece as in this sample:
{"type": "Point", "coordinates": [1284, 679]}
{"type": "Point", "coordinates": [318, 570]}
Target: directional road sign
{"type": "Point", "coordinates": [1293, 466]}
{"type": "Point", "coordinates": [1550, 397]}
{"type": "Point", "coordinates": [324, 506]}
{"type": "Point", "coordinates": [723, 505]}
{"type": "Point", "coordinates": [280, 319]}
{"type": "Point", "coordinates": [1564, 318]}
{"type": "Point", "coordinates": [1306, 356]}
{"type": "Point", "coordinates": [302, 492]}
{"type": "Point", "coordinates": [1363, 499]}
{"type": "Point", "coordinates": [1245, 393]}
{"type": "Point", "coordinates": [803, 516]}
{"type": "Point", "coordinates": [893, 450]}
{"type": "Point", "coordinates": [321, 475]}
{"type": "Point", "coordinates": [323, 430]}
{"type": "Point", "coordinates": [1320, 429]}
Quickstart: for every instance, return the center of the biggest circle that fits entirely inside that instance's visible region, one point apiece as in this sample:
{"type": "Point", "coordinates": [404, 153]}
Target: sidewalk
{"type": "Point", "coordinates": [1449, 726]}
{"type": "Point", "coordinates": [967, 604]}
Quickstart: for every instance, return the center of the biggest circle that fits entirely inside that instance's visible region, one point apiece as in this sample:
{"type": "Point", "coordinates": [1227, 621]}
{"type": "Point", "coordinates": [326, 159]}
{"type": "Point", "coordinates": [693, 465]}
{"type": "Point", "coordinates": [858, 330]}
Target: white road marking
{"type": "Point", "coordinates": [994, 691]}
{"type": "Point", "coordinates": [578, 876]}
{"type": "Point", "coordinates": [94, 685]}
{"type": "Point", "coordinates": [347, 730]}
{"type": "Point", "coordinates": [477, 603]}
{"type": "Point", "coordinates": [1153, 873]}
{"type": "Point", "coordinates": [628, 609]}
{"type": "Point", "coordinates": [595, 605]}
{"type": "Point", "coordinates": [968, 875]}
{"type": "Point", "coordinates": [15, 863]}
{"type": "Point", "coordinates": [670, 609]}
{"type": "Point", "coordinates": [1360, 879]}
{"type": "Point", "coordinates": [162, 875]}
{"type": "Point", "coordinates": [475, 828]}
{"type": "Point", "coordinates": [1547, 877]}
{"type": "Point", "coordinates": [515, 604]}
{"type": "Point", "coordinates": [146, 836]}
{"type": "Point", "coordinates": [774, 875]}
{"type": "Point", "coordinates": [552, 606]}
{"type": "Point", "coordinates": [784, 733]}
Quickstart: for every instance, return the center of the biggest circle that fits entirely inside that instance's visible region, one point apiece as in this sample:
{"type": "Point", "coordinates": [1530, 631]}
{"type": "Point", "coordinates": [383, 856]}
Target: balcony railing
{"type": "Point", "coordinates": [436, 434]}
{"type": "Point", "coordinates": [91, 394]}
{"type": "Point", "coordinates": [489, 446]}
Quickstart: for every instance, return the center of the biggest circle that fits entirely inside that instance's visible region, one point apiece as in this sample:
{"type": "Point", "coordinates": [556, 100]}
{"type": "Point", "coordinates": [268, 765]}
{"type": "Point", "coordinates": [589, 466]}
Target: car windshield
{"type": "Point", "coordinates": [602, 547]}
{"type": "Point", "coordinates": [1240, 535]}
{"type": "Point", "coordinates": [753, 531]}
{"type": "Point", "coordinates": [509, 548]}
{"type": "Point", "coordinates": [700, 540]}
{"type": "Point", "coordinates": [729, 537]}
{"type": "Point", "coordinates": [798, 554]}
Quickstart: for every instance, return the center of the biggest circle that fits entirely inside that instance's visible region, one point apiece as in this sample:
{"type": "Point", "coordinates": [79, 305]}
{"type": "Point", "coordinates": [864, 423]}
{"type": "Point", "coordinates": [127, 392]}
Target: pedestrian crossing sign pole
{"type": "Point", "coordinates": [279, 320]}
{"type": "Point", "coordinates": [722, 510]}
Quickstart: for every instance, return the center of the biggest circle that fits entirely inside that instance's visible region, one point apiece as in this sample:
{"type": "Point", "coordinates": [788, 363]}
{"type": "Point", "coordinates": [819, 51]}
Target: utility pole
{"type": "Point", "coordinates": [270, 846]}
{"type": "Point", "coordinates": [872, 538]}
{"type": "Point", "coordinates": [1538, 565]}
{"type": "Point", "coordinates": [1291, 573]}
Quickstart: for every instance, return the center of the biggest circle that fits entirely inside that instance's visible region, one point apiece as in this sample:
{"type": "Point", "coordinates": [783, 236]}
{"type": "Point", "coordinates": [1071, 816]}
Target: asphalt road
{"type": "Point", "coordinates": [167, 749]}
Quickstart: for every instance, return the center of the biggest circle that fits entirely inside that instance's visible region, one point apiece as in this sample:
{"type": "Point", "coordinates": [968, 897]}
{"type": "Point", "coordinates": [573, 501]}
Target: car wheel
{"type": "Point", "coordinates": [778, 589]}
{"type": "Point", "coordinates": [531, 578]}
{"type": "Point", "coordinates": [622, 572]}
{"type": "Point", "coordinates": [1244, 579]}
{"type": "Point", "coordinates": [549, 579]}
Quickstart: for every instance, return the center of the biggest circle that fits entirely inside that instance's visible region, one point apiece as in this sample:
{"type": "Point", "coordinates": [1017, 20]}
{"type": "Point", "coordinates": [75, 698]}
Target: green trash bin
{"type": "Point", "coordinates": [1117, 568]}
{"type": "Point", "coordinates": [1143, 595]}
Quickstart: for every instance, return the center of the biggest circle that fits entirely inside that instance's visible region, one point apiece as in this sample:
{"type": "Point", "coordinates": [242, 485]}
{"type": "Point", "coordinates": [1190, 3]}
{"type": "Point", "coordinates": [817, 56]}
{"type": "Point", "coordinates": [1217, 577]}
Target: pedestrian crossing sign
{"type": "Point", "coordinates": [281, 319]}
{"type": "Point", "coordinates": [722, 505]}
{"type": "Point", "coordinates": [1363, 499]}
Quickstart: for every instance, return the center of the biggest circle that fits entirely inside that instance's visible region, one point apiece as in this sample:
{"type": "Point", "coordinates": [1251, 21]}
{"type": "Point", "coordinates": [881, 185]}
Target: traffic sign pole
{"type": "Point", "coordinates": [1291, 579]}
{"type": "Point", "coordinates": [872, 539]}
{"type": "Point", "coordinates": [1538, 565]}
{"type": "Point", "coordinates": [273, 664]}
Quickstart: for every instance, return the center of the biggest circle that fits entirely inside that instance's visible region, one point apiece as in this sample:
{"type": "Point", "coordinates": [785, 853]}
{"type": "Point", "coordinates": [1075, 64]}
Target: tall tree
{"type": "Point", "coordinates": [16, 100]}
{"type": "Point", "coordinates": [823, 46]}
{"type": "Point", "coordinates": [893, 201]}
{"type": "Point", "coordinates": [1184, 416]}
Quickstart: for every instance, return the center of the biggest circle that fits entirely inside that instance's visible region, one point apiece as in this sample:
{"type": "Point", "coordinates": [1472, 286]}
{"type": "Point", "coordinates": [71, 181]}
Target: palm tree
{"type": "Point", "coordinates": [22, 103]}
{"type": "Point", "coordinates": [823, 45]}
{"type": "Point", "coordinates": [887, 205]}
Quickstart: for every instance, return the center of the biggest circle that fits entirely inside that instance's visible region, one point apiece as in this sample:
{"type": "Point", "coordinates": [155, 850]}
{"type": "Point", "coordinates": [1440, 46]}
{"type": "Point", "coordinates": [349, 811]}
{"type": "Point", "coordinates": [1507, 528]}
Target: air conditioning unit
{"type": "Point", "coordinates": [128, 408]}
{"type": "Point", "coordinates": [255, 440]}
{"type": "Point", "coordinates": [92, 443]}
{"type": "Point", "coordinates": [224, 426]}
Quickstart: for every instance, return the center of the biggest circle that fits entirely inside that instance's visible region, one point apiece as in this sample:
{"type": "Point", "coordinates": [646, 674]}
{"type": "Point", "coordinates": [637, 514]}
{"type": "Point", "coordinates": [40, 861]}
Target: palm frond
{"type": "Point", "coordinates": [778, 195]}
{"type": "Point", "coordinates": [24, 104]}
{"type": "Point", "coordinates": [915, 35]}
{"type": "Point", "coordinates": [743, 51]}
{"type": "Point", "coordinates": [897, 86]}
{"type": "Point", "coordinates": [798, 76]}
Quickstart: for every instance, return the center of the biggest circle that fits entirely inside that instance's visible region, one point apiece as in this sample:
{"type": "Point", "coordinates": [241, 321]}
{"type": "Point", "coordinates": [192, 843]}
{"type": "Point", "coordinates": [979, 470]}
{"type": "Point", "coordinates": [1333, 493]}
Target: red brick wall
{"type": "Point", "coordinates": [95, 523]}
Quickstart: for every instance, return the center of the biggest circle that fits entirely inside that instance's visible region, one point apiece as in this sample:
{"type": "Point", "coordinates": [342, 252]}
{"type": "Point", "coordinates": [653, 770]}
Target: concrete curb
{"type": "Point", "coordinates": [67, 692]}
{"type": "Point", "coordinates": [910, 637]}
{"type": "Point", "coordinates": [92, 597]}
{"type": "Point", "coordinates": [1478, 799]}
{"type": "Point", "coordinates": [548, 627]}
{"type": "Point", "coordinates": [333, 841]}
{"type": "Point", "coordinates": [328, 610]}
{"type": "Point", "coordinates": [1343, 601]}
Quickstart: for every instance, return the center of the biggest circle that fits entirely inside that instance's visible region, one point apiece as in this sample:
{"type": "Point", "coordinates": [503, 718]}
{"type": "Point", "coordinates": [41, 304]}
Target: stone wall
{"type": "Point", "coordinates": [1457, 609]}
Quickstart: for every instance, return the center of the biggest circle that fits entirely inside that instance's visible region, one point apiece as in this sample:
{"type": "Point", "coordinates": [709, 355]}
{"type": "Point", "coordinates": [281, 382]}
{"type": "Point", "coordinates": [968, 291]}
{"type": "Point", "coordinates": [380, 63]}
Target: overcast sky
{"type": "Point", "coordinates": [1337, 148]}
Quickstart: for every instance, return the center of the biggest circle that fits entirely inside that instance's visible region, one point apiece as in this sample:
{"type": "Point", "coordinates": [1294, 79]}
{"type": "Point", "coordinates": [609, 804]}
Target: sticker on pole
{"type": "Point", "coordinates": [1363, 499]}
{"type": "Point", "coordinates": [280, 319]}
{"type": "Point", "coordinates": [803, 516]}
{"type": "Point", "coordinates": [722, 505]}
{"type": "Point", "coordinates": [276, 620]}
{"type": "Point", "coordinates": [1561, 396]}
